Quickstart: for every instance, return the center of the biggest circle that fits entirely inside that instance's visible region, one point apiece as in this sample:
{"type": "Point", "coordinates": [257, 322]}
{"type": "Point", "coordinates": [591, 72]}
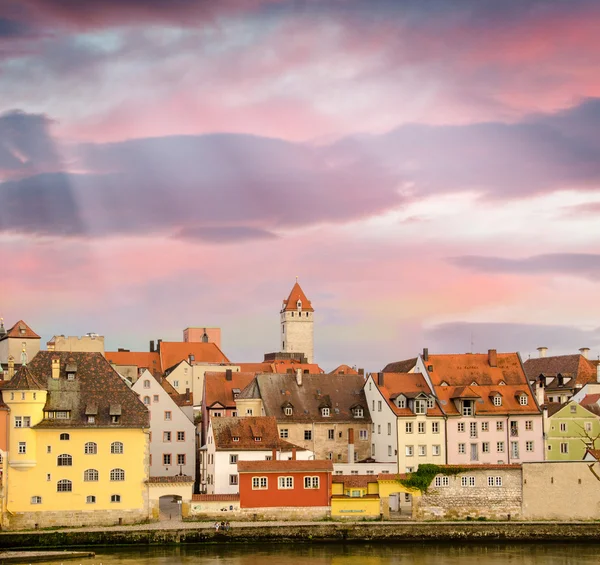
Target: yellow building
{"type": "Point", "coordinates": [77, 445]}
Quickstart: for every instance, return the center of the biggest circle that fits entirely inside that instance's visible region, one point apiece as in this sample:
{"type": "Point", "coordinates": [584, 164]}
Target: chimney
{"type": "Point", "coordinates": [299, 377]}
{"type": "Point", "coordinates": [492, 358]}
{"type": "Point", "coordinates": [228, 375]}
{"type": "Point", "coordinates": [584, 351]}
{"type": "Point", "coordinates": [361, 372]}
{"type": "Point", "coordinates": [425, 354]}
{"type": "Point", "coordinates": [151, 346]}
{"type": "Point", "coordinates": [542, 351]}
{"type": "Point", "coordinates": [274, 454]}
{"type": "Point", "coordinates": [55, 367]}
{"type": "Point", "coordinates": [351, 445]}
{"type": "Point", "coordinates": [11, 367]}
{"type": "Point", "coordinates": [293, 454]}
{"type": "Point", "coordinates": [539, 392]}
{"type": "Point", "coordinates": [158, 342]}
{"type": "Point", "coordinates": [380, 379]}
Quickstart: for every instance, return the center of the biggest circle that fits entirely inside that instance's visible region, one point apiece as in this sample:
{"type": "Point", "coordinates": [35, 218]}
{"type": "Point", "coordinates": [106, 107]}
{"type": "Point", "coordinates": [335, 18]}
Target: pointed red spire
{"type": "Point", "coordinates": [292, 301]}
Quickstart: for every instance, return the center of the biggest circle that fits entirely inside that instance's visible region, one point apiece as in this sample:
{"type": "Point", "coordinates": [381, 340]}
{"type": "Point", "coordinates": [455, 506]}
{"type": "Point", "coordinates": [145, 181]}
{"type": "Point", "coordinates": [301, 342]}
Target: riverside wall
{"type": "Point", "coordinates": [325, 532]}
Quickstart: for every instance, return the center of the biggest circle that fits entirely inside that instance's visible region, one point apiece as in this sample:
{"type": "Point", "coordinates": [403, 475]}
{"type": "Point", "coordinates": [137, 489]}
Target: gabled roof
{"type": "Point", "coordinates": [184, 399]}
{"type": "Point", "coordinates": [575, 365]}
{"type": "Point", "coordinates": [408, 385]}
{"type": "Point", "coordinates": [20, 330]}
{"type": "Point", "coordinates": [96, 383]}
{"type": "Point", "coordinates": [217, 389]}
{"type": "Point", "coordinates": [595, 453]}
{"type": "Point", "coordinates": [354, 481]}
{"type": "Point", "coordinates": [279, 366]}
{"type": "Point", "coordinates": [344, 392]}
{"type": "Point", "coordinates": [141, 359]}
{"type": "Point", "coordinates": [289, 465]}
{"type": "Point", "coordinates": [405, 366]}
{"type": "Point", "coordinates": [344, 370]}
{"type": "Point", "coordinates": [465, 392]}
{"type": "Point", "coordinates": [24, 379]}
{"type": "Point", "coordinates": [246, 430]}
{"type": "Point", "coordinates": [173, 352]}
{"type": "Point", "coordinates": [297, 294]}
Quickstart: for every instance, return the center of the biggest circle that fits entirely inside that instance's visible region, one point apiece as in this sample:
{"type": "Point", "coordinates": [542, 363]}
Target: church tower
{"type": "Point", "coordinates": [297, 331]}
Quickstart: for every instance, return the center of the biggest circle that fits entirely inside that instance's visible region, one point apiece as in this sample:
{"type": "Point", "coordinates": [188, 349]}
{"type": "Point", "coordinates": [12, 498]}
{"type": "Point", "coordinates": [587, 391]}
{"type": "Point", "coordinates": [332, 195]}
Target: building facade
{"type": "Point", "coordinates": [297, 324]}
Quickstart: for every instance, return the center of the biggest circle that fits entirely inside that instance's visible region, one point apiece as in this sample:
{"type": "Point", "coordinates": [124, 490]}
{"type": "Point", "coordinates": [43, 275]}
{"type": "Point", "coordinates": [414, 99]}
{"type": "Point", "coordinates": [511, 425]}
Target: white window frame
{"type": "Point", "coordinates": [311, 482]}
{"type": "Point", "coordinates": [285, 483]}
{"type": "Point", "coordinates": [260, 483]}
{"type": "Point", "coordinates": [442, 481]}
{"type": "Point", "coordinates": [468, 481]}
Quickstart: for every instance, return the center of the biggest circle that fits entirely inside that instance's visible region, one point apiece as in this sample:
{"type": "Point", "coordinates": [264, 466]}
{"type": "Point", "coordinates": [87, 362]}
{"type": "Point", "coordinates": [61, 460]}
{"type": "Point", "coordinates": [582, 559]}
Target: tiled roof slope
{"type": "Point", "coordinates": [401, 366]}
{"type": "Point", "coordinates": [173, 352]}
{"type": "Point", "coordinates": [141, 359]}
{"type": "Point", "coordinates": [289, 465]}
{"type": "Point", "coordinates": [292, 300]}
{"type": "Point", "coordinates": [24, 379]}
{"type": "Point", "coordinates": [246, 429]}
{"type": "Point", "coordinates": [344, 370]}
{"type": "Point", "coordinates": [219, 390]}
{"type": "Point", "coordinates": [184, 399]}
{"type": "Point", "coordinates": [408, 384]}
{"type": "Point", "coordinates": [15, 331]}
{"type": "Point", "coordinates": [471, 373]}
{"type": "Point", "coordinates": [97, 387]}
{"type": "Point", "coordinates": [354, 481]}
{"type": "Point", "coordinates": [279, 366]}
{"type": "Point", "coordinates": [340, 393]}
{"type": "Point", "coordinates": [577, 365]}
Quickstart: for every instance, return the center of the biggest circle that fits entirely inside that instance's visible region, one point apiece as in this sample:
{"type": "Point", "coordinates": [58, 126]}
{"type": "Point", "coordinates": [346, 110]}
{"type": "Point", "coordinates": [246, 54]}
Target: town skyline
{"type": "Point", "coordinates": [429, 171]}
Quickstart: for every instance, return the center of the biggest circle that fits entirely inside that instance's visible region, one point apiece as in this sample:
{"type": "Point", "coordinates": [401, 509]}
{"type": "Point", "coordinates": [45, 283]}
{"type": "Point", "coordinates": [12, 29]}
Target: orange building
{"type": "Point", "coordinates": [284, 484]}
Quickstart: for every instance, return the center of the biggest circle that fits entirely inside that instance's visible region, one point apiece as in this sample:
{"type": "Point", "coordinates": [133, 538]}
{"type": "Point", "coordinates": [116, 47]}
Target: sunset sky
{"type": "Point", "coordinates": [429, 169]}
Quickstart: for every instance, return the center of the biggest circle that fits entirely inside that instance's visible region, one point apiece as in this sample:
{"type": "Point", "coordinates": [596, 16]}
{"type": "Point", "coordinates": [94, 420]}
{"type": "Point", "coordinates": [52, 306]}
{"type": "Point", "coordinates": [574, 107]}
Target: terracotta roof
{"type": "Point", "coordinates": [595, 453]}
{"type": "Point", "coordinates": [354, 481]}
{"type": "Point", "coordinates": [255, 367]}
{"type": "Point", "coordinates": [170, 480]}
{"type": "Point", "coordinates": [24, 379]}
{"type": "Point", "coordinates": [173, 352]}
{"type": "Point", "coordinates": [577, 365]}
{"type": "Point", "coordinates": [96, 383]}
{"type": "Point", "coordinates": [141, 359]}
{"type": "Point", "coordinates": [344, 370]}
{"type": "Point", "coordinates": [297, 294]}
{"type": "Point", "coordinates": [590, 399]}
{"type": "Point", "coordinates": [407, 384]}
{"type": "Point", "coordinates": [405, 366]}
{"type": "Point", "coordinates": [217, 389]}
{"type": "Point", "coordinates": [215, 497]}
{"type": "Point", "coordinates": [553, 407]}
{"type": "Point", "coordinates": [20, 330]}
{"type": "Point", "coordinates": [285, 365]}
{"type": "Point", "coordinates": [246, 429]}
{"type": "Point", "coordinates": [183, 399]}
{"type": "Point", "coordinates": [391, 476]}
{"type": "Point", "coordinates": [341, 393]}
{"type": "Point", "coordinates": [289, 466]}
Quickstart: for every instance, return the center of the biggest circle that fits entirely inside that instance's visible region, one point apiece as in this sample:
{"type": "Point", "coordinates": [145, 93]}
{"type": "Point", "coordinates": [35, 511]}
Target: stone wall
{"type": "Point", "coordinates": [257, 514]}
{"type": "Point", "coordinates": [561, 490]}
{"type": "Point", "coordinates": [456, 501]}
{"type": "Point", "coordinates": [34, 520]}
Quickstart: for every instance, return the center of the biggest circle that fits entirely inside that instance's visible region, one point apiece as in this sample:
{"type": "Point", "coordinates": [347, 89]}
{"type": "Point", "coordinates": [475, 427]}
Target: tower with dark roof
{"type": "Point", "coordinates": [297, 324]}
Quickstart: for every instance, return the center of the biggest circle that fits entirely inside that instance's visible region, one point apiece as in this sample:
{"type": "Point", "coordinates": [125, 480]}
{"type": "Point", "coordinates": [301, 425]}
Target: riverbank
{"type": "Point", "coordinates": [190, 533]}
{"type": "Point", "coordinates": [34, 556]}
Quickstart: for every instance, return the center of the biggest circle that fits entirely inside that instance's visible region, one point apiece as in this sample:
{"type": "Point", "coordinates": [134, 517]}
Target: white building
{"type": "Point", "coordinates": [172, 433]}
{"type": "Point", "coordinates": [229, 440]}
{"type": "Point", "coordinates": [297, 324]}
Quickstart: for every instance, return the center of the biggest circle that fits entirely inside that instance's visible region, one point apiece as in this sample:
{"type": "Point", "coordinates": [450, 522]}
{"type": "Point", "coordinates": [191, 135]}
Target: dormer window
{"type": "Point", "coordinates": [430, 402]}
{"type": "Point", "coordinates": [288, 410]}
{"type": "Point", "coordinates": [257, 438]}
{"type": "Point", "coordinates": [420, 407]}
{"type": "Point", "coordinates": [523, 400]}
{"type": "Point", "coordinates": [358, 412]}
{"type": "Point", "coordinates": [468, 407]}
{"type": "Point", "coordinates": [325, 412]}
{"type": "Point", "coordinates": [401, 402]}
{"type": "Point", "coordinates": [474, 383]}
{"type": "Point", "coordinates": [70, 376]}
{"type": "Point", "coordinates": [501, 383]}
{"type": "Point", "coordinates": [444, 383]}
{"type": "Point", "coordinates": [236, 438]}
{"type": "Point", "coordinates": [236, 392]}
{"type": "Point", "coordinates": [497, 400]}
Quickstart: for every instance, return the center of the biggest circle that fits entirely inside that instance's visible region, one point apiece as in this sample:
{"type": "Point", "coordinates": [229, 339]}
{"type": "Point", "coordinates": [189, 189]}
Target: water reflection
{"type": "Point", "coordinates": [353, 554]}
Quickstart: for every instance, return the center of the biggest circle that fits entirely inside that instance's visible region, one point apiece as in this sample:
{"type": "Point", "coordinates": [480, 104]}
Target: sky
{"type": "Point", "coordinates": [428, 169]}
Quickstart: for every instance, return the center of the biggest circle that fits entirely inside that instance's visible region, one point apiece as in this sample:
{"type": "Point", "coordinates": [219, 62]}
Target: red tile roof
{"type": "Point", "coordinates": [184, 399]}
{"type": "Point", "coordinates": [407, 384]}
{"type": "Point", "coordinates": [595, 453]}
{"type": "Point", "coordinates": [275, 466]}
{"type": "Point", "coordinates": [590, 399]}
{"type": "Point", "coordinates": [217, 389]}
{"type": "Point", "coordinates": [140, 359]}
{"type": "Point", "coordinates": [15, 331]}
{"type": "Point", "coordinates": [297, 294]}
{"type": "Point", "coordinates": [344, 370]}
{"type": "Point", "coordinates": [246, 429]}
{"type": "Point", "coordinates": [354, 481]}
{"type": "Point", "coordinates": [173, 352]}
{"type": "Point", "coordinates": [215, 497]}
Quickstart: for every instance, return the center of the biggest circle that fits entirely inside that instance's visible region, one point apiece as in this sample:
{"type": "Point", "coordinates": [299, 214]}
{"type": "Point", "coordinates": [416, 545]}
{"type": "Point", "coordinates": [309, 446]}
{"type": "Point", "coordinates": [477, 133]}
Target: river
{"type": "Point", "coordinates": [352, 554]}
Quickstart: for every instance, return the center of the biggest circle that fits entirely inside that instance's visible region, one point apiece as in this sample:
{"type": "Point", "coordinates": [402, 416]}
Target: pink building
{"type": "Point", "coordinates": [492, 414]}
{"type": "Point", "coordinates": [203, 335]}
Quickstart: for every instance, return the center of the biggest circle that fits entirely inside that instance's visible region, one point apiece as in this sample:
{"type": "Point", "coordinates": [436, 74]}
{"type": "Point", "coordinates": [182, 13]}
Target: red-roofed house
{"type": "Point", "coordinates": [286, 485]}
{"type": "Point", "coordinates": [13, 341]}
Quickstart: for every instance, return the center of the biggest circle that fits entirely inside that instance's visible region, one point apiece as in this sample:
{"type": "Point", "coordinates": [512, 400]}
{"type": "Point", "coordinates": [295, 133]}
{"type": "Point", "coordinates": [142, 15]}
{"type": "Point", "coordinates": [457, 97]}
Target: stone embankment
{"type": "Point", "coordinates": [33, 556]}
{"type": "Point", "coordinates": [183, 533]}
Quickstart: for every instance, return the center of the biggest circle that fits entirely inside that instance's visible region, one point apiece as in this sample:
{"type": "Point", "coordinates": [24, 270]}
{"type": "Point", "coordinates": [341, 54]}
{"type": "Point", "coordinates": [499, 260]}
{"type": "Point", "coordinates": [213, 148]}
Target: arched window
{"type": "Point", "coordinates": [90, 475]}
{"type": "Point", "coordinates": [91, 448]}
{"type": "Point", "coordinates": [65, 437]}
{"type": "Point", "coordinates": [64, 460]}
{"type": "Point", "coordinates": [117, 475]}
{"type": "Point", "coordinates": [115, 498]}
{"type": "Point", "coordinates": [146, 383]}
{"type": "Point", "coordinates": [146, 400]}
{"type": "Point", "coordinates": [116, 447]}
{"type": "Point", "coordinates": [64, 485]}
{"type": "Point", "coordinates": [90, 499]}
